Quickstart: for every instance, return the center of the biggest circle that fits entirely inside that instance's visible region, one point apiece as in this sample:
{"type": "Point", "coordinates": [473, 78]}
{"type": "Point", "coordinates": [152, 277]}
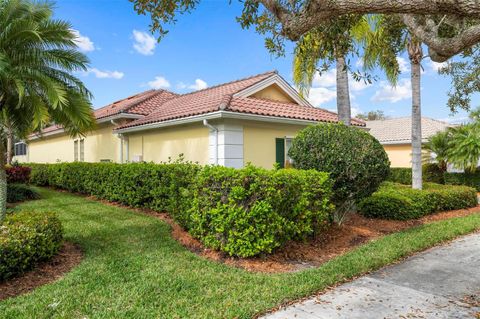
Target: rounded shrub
{"type": "Point", "coordinates": [27, 238]}
{"type": "Point", "coordinates": [356, 161]}
{"type": "Point", "coordinates": [20, 192]}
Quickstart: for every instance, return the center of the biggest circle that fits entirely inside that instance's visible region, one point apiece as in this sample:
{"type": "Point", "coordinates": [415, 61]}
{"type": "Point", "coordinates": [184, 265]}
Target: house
{"type": "Point", "coordinates": [251, 120]}
{"type": "Point", "coordinates": [395, 135]}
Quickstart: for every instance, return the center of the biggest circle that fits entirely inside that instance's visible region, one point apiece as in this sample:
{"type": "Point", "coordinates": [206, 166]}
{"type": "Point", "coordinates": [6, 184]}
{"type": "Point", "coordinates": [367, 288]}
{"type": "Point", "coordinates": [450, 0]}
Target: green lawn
{"type": "Point", "coordinates": [134, 269]}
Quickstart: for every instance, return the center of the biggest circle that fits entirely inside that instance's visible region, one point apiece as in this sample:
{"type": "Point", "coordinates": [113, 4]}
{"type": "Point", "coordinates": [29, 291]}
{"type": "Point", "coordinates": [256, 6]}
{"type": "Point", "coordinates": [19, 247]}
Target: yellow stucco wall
{"type": "Point", "coordinates": [399, 155]}
{"type": "Point", "coordinates": [159, 144]}
{"type": "Point", "coordinates": [273, 92]}
{"type": "Point", "coordinates": [259, 141]}
{"type": "Point", "coordinates": [99, 144]}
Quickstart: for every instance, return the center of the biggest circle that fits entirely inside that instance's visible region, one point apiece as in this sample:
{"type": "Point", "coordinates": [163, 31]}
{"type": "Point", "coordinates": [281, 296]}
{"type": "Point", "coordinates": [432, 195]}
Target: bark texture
{"type": "Point", "coordinates": [9, 146]}
{"type": "Point", "coordinates": [343, 93]}
{"type": "Point", "coordinates": [415, 54]}
{"type": "Point", "coordinates": [3, 185]}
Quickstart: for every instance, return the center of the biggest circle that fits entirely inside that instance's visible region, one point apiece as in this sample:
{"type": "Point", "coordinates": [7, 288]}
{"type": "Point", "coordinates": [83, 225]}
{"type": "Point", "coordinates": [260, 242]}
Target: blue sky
{"type": "Point", "coordinates": [209, 47]}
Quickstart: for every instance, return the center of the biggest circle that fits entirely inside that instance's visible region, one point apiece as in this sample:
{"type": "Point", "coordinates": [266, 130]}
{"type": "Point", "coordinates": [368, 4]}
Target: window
{"type": "Point", "coordinates": [282, 146]}
{"type": "Point", "coordinates": [20, 149]}
{"type": "Point", "coordinates": [79, 150]}
{"type": "Point", "coordinates": [75, 150]}
{"type": "Point", "coordinates": [82, 150]}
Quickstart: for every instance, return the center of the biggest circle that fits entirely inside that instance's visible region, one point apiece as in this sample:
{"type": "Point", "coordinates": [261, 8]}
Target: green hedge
{"type": "Point", "coordinates": [468, 179]}
{"type": "Point", "coordinates": [397, 201]}
{"type": "Point", "coordinates": [27, 238]}
{"type": "Point", "coordinates": [243, 212]}
{"type": "Point", "coordinates": [20, 192]}
{"type": "Point", "coordinates": [403, 175]}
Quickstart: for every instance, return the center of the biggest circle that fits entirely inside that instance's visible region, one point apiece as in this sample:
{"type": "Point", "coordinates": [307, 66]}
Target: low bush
{"type": "Point", "coordinates": [20, 192]}
{"type": "Point", "coordinates": [467, 179]}
{"type": "Point", "coordinates": [356, 161]}
{"type": "Point", "coordinates": [18, 174]}
{"type": "Point", "coordinates": [398, 201]}
{"type": "Point", "coordinates": [27, 238]}
{"type": "Point", "coordinates": [243, 212]}
{"type": "Point", "coordinates": [403, 175]}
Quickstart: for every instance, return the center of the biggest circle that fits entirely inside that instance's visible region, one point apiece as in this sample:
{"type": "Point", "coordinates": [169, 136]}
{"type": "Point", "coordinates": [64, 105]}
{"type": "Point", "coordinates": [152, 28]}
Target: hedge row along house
{"type": "Point", "coordinates": [395, 135]}
{"type": "Point", "coordinates": [251, 120]}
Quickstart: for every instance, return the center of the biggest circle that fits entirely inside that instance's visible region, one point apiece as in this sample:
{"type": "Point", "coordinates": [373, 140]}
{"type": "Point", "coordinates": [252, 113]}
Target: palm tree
{"type": "Point", "coordinates": [330, 43]}
{"type": "Point", "coordinates": [464, 146]}
{"type": "Point", "coordinates": [37, 56]}
{"type": "Point", "coordinates": [439, 145]}
{"type": "Point", "coordinates": [388, 38]}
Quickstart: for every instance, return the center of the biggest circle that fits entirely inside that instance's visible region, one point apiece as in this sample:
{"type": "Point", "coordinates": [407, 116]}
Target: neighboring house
{"type": "Point", "coordinates": [395, 135]}
{"type": "Point", "coordinates": [245, 121]}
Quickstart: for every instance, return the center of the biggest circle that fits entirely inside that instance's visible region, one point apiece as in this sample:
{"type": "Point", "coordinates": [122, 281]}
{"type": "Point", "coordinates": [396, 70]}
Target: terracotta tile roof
{"type": "Point", "coordinates": [140, 104]}
{"type": "Point", "coordinates": [199, 102]}
{"type": "Point", "coordinates": [399, 130]}
{"type": "Point", "coordinates": [220, 97]}
{"type": "Point", "coordinates": [287, 110]}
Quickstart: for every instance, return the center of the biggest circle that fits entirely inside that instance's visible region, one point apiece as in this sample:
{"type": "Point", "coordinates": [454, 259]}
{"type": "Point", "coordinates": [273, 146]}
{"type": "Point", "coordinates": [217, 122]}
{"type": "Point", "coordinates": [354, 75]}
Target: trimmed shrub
{"type": "Point", "coordinates": [18, 174]}
{"type": "Point", "coordinates": [398, 201]}
{"type": "Point", "coordinates": [20, 192]}
{"type": "Point", "coordinates": [467, 179]}
{"type": "Point", "coordinates": [403, 175]}
{"type": "Point", "coordinates": [243, 212]}
{"type": "Point", "coordinates": [27, 238]}
{"type": "Point", "coordinates": [252, 210]}
{"type": "Point", "coordinates": [356, 161]}
{"type": "Point", "coordinates": [431, 172]}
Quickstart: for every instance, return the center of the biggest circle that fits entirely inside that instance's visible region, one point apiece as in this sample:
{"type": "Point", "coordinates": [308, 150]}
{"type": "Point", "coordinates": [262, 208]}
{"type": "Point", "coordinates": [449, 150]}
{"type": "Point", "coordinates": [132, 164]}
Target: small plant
{"type": "Point", "coordinates": [18, 174]}
{"type": "Point", "coordinates": [356, 161]}
{"type": "Point", "coordinates": [20, 192]}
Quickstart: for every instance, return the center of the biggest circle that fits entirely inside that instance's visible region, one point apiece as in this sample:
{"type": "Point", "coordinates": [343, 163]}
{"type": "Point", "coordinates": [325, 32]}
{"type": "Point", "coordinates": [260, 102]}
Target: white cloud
{"type": "Point", "coordinates": [105, 74]}
{"type": "Point", "coordinates": [392, 94]}
{"type": "Point", "coordinates": [435, 66]}
{"type": "Point", "coordinates": [403, 64]}
{"type": "Point", "coordinates": [321, 95]}
{"type": "Point", "coordinates": [357, 85]}
{"type": "Point", "coordinates": [199, 85]}
{"type": "Point", "coordinates": [83, 42]}
{"type": "Point", "coordinates": [327, 79]}
{"type": "Point", "coordinates": [144, 43]}
{"type": "Point", "coordinates": [359, 63]}
{"type": "Point", "coordinates": [159, 83]}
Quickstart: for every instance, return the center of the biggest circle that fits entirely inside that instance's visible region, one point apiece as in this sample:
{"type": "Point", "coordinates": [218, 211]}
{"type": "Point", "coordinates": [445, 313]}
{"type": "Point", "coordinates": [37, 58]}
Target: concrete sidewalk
{"type": "Point", "coordinates": [443, 282]}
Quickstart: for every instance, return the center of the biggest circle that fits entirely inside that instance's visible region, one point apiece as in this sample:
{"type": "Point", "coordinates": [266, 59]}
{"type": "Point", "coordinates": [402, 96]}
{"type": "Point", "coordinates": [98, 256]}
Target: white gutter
{"type": "Point", "coordinates": [215, 146]}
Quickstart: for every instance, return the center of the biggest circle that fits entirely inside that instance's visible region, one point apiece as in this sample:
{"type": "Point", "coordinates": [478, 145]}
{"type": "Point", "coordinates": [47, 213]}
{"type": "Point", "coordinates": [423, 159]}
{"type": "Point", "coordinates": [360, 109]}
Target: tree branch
{"type": "Point", "coordinates": [296, 22]}
{"type": "Point", "coordinates": [441, 49]}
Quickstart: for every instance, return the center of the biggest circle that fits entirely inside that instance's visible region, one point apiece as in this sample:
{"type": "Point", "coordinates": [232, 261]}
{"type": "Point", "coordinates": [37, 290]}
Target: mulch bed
{"type": "Point", "coordinates": [296, 256]}
{"type": "Point", "coordinates": [68, 257]}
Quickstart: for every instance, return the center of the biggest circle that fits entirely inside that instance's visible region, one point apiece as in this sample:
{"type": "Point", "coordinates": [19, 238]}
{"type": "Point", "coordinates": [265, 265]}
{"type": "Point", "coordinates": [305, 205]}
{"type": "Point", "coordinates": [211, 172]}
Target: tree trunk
{"type": "Point", "coordinates": [343, 93]}
{"type": "Point", "coordinates": [3, 185]}
{"type": "Point", "coordinates": [415, 55]}
{"type": "Point", "coordinates": [9, 145]}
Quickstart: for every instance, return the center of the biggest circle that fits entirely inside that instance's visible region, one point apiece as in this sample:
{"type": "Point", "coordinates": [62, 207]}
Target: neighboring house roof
{"type": "Point", "coordinates": [399, 130]}
{"type": "Point", "coordinates": [230, 97]}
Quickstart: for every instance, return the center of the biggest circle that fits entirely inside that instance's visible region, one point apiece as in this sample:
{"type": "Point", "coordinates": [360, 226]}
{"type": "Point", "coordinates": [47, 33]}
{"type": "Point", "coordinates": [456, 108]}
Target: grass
{"type": "Point", "coordinates": [134, 269]}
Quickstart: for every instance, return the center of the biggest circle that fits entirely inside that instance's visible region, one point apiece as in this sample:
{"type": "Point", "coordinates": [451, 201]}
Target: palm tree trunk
{"type": "Point", "coordinates": [3, 185]}
{"type": "Point", "coordinates": [9, 145]}
{"type": "Point", "coordinates": [415, 55]}
{"type": "Point", "coordinates": [343, 93]}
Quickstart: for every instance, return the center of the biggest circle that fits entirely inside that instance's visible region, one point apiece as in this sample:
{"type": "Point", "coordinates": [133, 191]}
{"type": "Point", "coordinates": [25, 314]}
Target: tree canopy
{"type": "Point", "coordinates": [447, 27]}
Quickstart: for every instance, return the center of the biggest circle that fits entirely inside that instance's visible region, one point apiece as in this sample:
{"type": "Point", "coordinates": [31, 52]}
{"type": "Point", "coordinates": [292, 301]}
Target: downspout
{"type": "Point", "coordinates": [120, 136]}
{"type": "Point", "coordinates": [215, 146]}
